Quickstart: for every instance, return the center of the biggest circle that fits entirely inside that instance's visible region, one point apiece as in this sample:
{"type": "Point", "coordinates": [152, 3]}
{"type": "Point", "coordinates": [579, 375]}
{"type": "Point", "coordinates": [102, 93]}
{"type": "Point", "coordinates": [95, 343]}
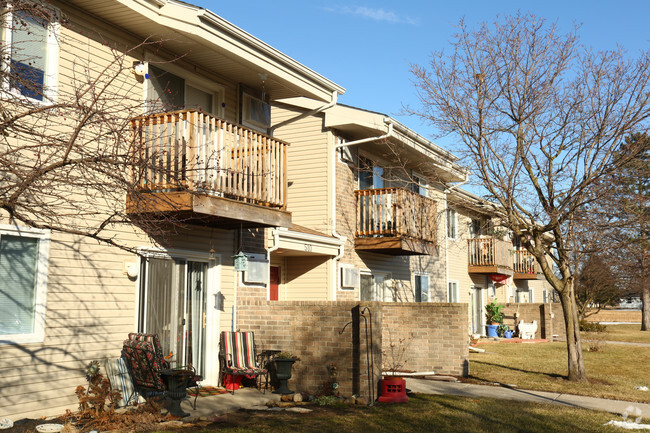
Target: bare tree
{"type": "Point", "coordinates": [624, 217]}
{"type": "Point", "coordinates": [67, 154]}
{"type": "Point", "coordinates": [540, 120]}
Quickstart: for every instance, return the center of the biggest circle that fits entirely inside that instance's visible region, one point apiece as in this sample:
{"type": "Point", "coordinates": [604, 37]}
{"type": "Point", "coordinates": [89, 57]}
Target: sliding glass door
{"type": "Point", "coordinates": [174, 294]}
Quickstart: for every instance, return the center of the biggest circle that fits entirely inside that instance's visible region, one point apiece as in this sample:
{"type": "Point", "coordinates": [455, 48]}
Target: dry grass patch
{"type": "Point", "coordinates": [629, 333]}
{"type": "Point", "coordinates": [424, 413]}
{"type": "Point", "coordinates": [613, 372]}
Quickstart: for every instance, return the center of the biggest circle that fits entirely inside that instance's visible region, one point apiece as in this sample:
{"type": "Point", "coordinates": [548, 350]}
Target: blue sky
{"type": "Point", "coordinates": [367, 47]}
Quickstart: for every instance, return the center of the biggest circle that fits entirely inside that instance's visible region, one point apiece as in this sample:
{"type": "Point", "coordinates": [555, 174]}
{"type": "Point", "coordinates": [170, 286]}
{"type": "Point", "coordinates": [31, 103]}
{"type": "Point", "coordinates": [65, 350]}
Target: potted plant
{"type": "Point", "coordinates": [283, 362]}
{"type": "Point", "coordinates": [502, 330]}
{"type": "Point", "coordinates": [494, 316]}
{"type": "Point", "coordinates": [393, 387]}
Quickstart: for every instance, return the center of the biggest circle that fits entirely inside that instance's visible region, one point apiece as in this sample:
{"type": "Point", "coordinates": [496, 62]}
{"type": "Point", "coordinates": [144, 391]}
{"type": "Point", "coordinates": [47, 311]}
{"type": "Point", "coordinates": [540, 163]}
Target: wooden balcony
{"type": "Point", "coordinates": [489, 256]}
{"type": "Point", "coordinates": [525, 266]}
{"type": "Point", "coordinates": [209, 170]}
{"type": "Point", "coordinates": [395, 221]}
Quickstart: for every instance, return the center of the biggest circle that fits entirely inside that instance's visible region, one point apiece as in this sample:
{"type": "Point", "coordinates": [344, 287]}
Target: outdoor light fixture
{"type": "Point", "coordinates": [140, 69]}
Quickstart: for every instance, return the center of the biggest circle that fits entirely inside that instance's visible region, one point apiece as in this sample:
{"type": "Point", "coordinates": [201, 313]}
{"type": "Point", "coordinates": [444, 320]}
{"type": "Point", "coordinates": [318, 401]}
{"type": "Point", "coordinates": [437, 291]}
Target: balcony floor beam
{"type": "Point", "coordinates": [215, 211]}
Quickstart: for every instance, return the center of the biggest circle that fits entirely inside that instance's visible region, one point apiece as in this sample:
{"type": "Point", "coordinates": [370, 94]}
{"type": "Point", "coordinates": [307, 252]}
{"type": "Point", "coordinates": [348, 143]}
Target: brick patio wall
{"type": "Point", "coordinates": [322, 332]}
{"type": "Point", "coordinates": [435, 336]}
{"type": "Point", "coordinates": [550, 321]}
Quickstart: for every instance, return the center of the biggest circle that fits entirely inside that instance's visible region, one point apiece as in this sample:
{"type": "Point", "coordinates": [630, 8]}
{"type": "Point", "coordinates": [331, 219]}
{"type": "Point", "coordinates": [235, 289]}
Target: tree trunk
{"type": "Point", "coordinates": [645, 293]}
{"type": "Point", "coordinates": [645, 308]}
{"type": "Point", "coordinates": [573, 342]}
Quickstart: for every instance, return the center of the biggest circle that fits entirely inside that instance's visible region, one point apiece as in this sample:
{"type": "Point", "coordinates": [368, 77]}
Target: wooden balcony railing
{"type": "Point", "coordinates": [489, 252]}
{"type": "Point", "coordinates": [395, 212]}
{"type": "Point", "coordinates": [196, 151]}
{"type": "Point", "coordinates": [525, 263]}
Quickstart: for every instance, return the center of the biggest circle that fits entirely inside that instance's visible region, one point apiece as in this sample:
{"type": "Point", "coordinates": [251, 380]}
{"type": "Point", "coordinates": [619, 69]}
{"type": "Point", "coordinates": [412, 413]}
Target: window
{"type": "Point", "coordinates": [475, 228]}
{"type": "Point", "coordinates": [421, 288]}
{"type": "Point", "coordinates": [255, 112]}
{"type": "Point", "coordinates": [418, 184]}
{"type": "Point", "coordinates": [371, 176]}
{"type": "Point", "coordinates": [168, 92]}
{"type": "Point", "coordinates": [33, 55]}
{"type": "Point", "coordinates": [451, 223]}
{"type": "Point", "coordinates": [545, 296]}
{"type": "Point", "coordinates": [452, 291]}
{"type": "Point", "coordinates": [375, 286]}
{"type": "Point", "coordinates": [23, 278]}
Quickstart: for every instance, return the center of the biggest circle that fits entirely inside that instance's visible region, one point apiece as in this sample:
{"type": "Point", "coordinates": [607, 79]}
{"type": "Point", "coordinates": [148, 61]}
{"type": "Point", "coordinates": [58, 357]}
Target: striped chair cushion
{"type": "Point", "coordinates": [238, 351]}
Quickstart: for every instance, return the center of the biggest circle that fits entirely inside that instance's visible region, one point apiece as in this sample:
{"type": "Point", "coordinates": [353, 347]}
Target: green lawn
{"type": "Point", "coordinates": [613, 372]}
{"type": "Point", "coordinates": [424, 413]}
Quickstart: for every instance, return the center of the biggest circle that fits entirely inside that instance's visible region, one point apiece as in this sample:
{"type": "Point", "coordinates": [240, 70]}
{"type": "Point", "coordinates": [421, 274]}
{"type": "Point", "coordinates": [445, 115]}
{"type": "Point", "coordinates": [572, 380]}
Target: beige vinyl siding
{"type": "Point", "coordinates": [402, 269]}
{"type": "Point", "coordinates": [90, 302]}
{"type": "Point", "coordinates": [306, 279]}
{"type": "Point", "coordinates": [307, 163]}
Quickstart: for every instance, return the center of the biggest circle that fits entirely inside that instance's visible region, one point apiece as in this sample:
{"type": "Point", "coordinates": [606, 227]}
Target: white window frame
{"type": "Point", "coordinates": [51, 73]}
{"type": "Point", "coordinates": [449, 291]}
{"type": "Point", "coordinates": [451, 213]}
{"type": "Point", "coordinates": [43, 236]}
{"type": "Point", "coordinates": [423, 293]}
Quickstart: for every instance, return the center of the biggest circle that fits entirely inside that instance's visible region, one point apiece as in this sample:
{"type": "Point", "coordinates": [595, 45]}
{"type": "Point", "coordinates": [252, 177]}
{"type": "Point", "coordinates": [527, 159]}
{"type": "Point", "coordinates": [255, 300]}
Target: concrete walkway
{"type": "Point", "coordinates": [245, 398]}
{"type": "Point", "coordinates": [470, 390]}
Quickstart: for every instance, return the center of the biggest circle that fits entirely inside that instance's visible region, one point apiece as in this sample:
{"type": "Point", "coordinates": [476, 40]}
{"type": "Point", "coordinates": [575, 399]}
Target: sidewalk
{"type": "Point", "coordinates": [470, 390]}
{"type": "Point", "coordinates": [244, 398]}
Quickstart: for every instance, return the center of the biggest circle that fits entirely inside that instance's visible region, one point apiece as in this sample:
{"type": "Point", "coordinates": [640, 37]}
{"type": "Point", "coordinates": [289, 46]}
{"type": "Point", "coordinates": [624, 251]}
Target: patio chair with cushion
{"type": "Point", "coordinates": [237, 356]}
{"type": "Point", "coordinates": [151, 374]}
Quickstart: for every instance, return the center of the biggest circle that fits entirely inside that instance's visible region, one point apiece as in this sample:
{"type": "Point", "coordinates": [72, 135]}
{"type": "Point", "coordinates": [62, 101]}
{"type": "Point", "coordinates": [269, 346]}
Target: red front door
{"type": "Point", "coordinates": [274, 282]}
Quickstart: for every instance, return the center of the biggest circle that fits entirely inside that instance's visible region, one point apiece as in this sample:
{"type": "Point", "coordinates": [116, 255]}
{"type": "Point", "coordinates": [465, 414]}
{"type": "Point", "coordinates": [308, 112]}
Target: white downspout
{"type": "Point", "coordinates": [275, 246]}
{"type": "Point", "coordinates": [333, 196]}
{"type": "Point", "coordinates": [306, 114]}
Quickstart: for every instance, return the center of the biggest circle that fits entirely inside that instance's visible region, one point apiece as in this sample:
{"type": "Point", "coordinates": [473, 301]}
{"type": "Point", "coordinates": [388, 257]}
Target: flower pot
{"type": "Point", "coordinates": [283, 373]}
{"type": "Point", "coordinates": [492, 330]}
{"type": "Point", "coordinates": [393, 390]}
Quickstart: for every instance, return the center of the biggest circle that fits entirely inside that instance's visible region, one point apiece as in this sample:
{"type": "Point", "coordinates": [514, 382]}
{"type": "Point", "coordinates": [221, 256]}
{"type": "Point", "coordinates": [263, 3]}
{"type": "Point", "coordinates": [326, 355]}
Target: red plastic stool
{"type": "Point", "coordinates": [232, 383]}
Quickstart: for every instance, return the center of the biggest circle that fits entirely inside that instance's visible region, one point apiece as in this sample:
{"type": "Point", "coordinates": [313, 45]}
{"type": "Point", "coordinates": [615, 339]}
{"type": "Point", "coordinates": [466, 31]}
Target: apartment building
{"type": "Point", "coordinates": [195, 94]}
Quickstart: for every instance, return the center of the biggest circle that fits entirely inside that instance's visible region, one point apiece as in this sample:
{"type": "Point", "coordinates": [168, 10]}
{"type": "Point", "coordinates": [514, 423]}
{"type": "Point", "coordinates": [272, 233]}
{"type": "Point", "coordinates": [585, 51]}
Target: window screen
{"type": "Point", "coordinates": [18, 271]}
{"type": "Point", "coordinates": [28, 55]}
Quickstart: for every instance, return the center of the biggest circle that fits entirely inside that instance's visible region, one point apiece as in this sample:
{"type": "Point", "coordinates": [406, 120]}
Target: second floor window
{"type": "Point", "coordinates": [371, 175]}
{"type": "Point", "coordinates": [169, 92]}
{"type": "Point", "coordinates": [451, 223]}
{"type": "Point", "coordinates": [33, 55]}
